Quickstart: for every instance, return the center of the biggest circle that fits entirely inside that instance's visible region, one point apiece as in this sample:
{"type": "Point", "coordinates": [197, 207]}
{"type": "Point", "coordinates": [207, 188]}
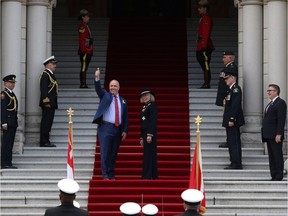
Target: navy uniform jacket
{"type": "Point", "coordinates": [149, 120]}
{"type": "Point", "coordinates": [9, 107]}
{"type": "Point", "coordinates": [66, 210]}
{"type": "Point", "coordinates": [49, 89]}
{"type": "Point", "coordinates": [274, 120]}
{"type": "Point", "coordinates": [105, 101]}
{"type": "Point", "coordinates": [190, 212]}
{"type": "Point", "coordinates": [233, 109]}
{"type": "Point", "coordinates": [222, 87]}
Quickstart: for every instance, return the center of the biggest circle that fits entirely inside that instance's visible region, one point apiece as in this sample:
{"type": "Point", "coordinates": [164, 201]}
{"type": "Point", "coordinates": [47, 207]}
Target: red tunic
{"type": "Point", "coordinates": [204, 31]}
{"type": "Point", "coordinates": [85, 39]}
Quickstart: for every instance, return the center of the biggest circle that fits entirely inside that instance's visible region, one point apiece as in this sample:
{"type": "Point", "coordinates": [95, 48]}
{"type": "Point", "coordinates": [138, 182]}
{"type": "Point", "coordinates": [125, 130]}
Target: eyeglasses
{"type": "Point", "coordinates": [269, 90]}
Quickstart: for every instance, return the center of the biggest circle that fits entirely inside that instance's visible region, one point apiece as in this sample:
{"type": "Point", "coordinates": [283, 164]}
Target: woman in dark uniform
{"type": "Point", "coordinates": [148, 139]}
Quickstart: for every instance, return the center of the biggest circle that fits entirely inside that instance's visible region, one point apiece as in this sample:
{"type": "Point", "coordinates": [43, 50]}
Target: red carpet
{"type": "Point", "coordinates": [148, 53]}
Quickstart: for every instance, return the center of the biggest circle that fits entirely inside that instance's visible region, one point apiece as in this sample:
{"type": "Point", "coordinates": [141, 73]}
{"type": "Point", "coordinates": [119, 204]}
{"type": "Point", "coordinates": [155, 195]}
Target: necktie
{"type": "Point", "coordinates": [116, 111]}
{"type": "Point", "coordinates": [271, 102]}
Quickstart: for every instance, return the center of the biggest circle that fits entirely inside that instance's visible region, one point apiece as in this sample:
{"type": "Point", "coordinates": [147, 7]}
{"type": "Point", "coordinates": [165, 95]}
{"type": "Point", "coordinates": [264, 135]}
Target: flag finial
{"type": "Point", "coordinates": [70, 112]}
{"type": "Point", "coordinates": [198, 120]}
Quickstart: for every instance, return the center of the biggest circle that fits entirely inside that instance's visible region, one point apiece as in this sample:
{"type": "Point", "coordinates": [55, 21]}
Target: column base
{"type": "Point", "coordinates": [251, 133]}
{"type": "Point", "coordinates": [19, 142]}
{"type": "Point", "coordinates": [32, 132]}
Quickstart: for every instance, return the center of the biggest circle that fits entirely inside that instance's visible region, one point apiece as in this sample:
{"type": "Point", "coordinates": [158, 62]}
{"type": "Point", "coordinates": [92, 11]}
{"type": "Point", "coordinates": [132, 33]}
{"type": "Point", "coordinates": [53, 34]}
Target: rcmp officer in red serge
{"type": "Point", "coordinates": [85, 46]}
{"type": "Point", "coordinates": [9, 123]}
{"type": "Point", "coordinates": [48, 100]}
{"type": "Point", "coordinates": [204, 43]}
{"type": "Point", "coordinates": [233, 119]}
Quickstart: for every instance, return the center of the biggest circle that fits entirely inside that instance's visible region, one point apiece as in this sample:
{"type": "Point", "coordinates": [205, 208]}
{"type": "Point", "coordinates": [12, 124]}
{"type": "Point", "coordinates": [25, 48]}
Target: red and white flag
{"type": "Point", "coordinates": [196, 174]}
{"type": "Point", "coordinates": [70, 155]}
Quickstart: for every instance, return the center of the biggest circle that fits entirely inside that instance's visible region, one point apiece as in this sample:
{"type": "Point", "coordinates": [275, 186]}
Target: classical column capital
{"type": "Point", "coordinates": [38, 3]}
{"type": "Point", "coordinates": [267, 1]}
{"type": "Point", "coordinates": [250, 2]}
{"type": "Point", "coordinates": [20, 1]}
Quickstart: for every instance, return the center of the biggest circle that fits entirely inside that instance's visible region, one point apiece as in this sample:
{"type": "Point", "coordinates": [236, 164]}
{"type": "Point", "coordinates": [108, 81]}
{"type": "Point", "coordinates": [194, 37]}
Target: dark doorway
{"type": "Point", "coordinates": [151, 8]}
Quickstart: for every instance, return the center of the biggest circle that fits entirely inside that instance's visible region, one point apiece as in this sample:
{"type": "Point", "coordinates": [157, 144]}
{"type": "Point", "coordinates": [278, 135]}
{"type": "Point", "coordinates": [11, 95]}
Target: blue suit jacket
{"type": "Point", "coordinates": [105, 101]}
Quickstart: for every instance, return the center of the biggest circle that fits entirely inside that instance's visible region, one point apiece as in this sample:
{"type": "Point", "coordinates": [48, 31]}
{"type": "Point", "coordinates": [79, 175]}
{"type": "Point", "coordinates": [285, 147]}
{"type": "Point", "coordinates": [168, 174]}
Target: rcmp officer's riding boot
{"type": "Point", "coordinates": [83, 80]}
{"type": "Point", "coordinates": [207, 78]}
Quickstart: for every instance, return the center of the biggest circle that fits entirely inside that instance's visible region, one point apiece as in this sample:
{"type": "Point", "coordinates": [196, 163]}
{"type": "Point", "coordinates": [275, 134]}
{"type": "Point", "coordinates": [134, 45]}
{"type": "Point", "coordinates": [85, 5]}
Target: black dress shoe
{"type": "Point", "coordinates": [233, 167]}
{"type": "Point", "coordinates": [83, 86]}
{"type": "Point", "coordinates": [47, 145]}
{"type": "Point", "coordinates": [205, 86]}
{"type": "Point", "coordinates": [9, 167]}
{"type": "Point", "coordinates": [223, 145]}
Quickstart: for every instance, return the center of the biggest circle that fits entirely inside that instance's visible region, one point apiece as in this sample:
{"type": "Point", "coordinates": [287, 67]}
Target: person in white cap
{"type": "Point", "coordinates": [68, 189]}
{"type": "Point", "coordinates": [192, 199]}
{"type": "Point", "coordinates": [48, 100]}
{"type": "Point", "coordinates": [130, 208]}
{"type": "Point", "coordinates": [149, 209]}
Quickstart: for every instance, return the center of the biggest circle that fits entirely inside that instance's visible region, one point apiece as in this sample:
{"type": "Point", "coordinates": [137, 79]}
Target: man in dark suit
{"type": "Point", "coordinates": [192, 199]}
{"type": "Point", "coordinates": [112, 120]}
{"type": "Point", "coordinates": [273, 131]}
{"type": "Point", "coordinates": [9, 123]}
{"type": "Point", "coordinates": [48, 100]}
{"type": "Point", "coordinates": [233, 119]}
{"type": "Point", "coordinates": [68, 189]}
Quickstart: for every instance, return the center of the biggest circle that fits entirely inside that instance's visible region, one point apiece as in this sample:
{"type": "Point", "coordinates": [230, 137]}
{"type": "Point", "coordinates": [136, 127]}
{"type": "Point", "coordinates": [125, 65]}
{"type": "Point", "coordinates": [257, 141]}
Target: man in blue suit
{"type": "Point", "coordinates": [112, 120]}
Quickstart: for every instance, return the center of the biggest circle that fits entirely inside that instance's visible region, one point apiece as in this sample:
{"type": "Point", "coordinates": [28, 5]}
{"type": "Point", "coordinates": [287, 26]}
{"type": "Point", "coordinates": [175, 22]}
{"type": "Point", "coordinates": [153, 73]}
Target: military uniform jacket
{"type": "Point", "coordinates": [222, 87]}
{"type": "Point", "coordinates": [85, 40]}
{"type": "Point", "coordinates": [204, 31]}
{"type": "Point", "coordinates": [148, 120]}
{"type": "Point", "coordinates": [274, 119]}
{"type": "Point", "coordinates": [49, 89]}
{"type": "Point", "coordinates": [9, 107]}
{"type": "Point", "coordinates": [190, 212]}
{"type": "Point", "coordinates": [66, 210]}
{"type": "Point", "coordinates": [233, 107]}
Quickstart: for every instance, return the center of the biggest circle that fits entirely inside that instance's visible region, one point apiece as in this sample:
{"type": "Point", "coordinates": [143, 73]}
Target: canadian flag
{"type": "Point", "coordinates": [196, 174]}
{"type": "Point", "coordinates": [70, 155]}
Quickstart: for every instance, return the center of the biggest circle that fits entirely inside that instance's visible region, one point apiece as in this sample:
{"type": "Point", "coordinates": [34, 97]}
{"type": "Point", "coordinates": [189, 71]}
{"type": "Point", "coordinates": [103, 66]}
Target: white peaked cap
{"type": "Point", "coordinates": [192, 196]}
{"type": "Point", "coordinates": [130, 208]}
{"type": "Point", "coordinates": [68, 186]}
{"type": "Point", "coordinates": [150, 209]}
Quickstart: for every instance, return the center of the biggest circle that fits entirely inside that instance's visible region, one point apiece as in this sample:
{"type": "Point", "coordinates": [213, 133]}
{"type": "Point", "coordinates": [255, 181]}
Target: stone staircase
{"type": "Point", "coordinates": [32, 188]}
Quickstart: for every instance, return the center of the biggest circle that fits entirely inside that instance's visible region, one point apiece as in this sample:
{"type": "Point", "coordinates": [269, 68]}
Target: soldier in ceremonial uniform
{"type": "Point", "coordinates": [148, 139]}
{"type": "Point", "coordinates": [85, 50]}
{"type": "Point", "coordinates": [228, 60]}
{"type": "Point", "coordinates": [9, 123]}
{"type": "Point", "coordinates": [205, 45]}
{"type": "Point", "coordinates": [68, 189]}
{"type": "Point", "coordinates": [48, 100]}
{"type": "Point", "coordinates": [233, 119]}
{"type": "Point", "coordinates": [192, 199]}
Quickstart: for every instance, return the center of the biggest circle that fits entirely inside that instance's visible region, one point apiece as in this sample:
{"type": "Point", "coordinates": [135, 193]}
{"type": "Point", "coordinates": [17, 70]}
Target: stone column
{"type": "Point", "coordinates": [240, 44]}
{"type": "Point", "coordinates": [11, 56]}
{"type": "Point", "coordinates": [36, 53]}
{"type": "Point", "coordinates": [277, 44]}
{"type": "Point", "coordinates": [252, 70]}
{"type": "Point", "coordinates": [1, 87]}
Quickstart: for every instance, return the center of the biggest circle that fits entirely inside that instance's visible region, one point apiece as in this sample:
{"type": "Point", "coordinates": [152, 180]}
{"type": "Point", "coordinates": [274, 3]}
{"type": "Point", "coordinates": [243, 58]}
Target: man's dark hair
{"type": "Point", "coordinates": [276, 87]}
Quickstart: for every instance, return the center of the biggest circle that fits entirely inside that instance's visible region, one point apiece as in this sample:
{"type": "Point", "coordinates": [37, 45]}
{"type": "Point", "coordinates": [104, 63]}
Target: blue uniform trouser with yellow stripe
{"type": "Point", "coordinates": [85, 59]}
{"type": "Point", "coordinates": [204, 58]}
